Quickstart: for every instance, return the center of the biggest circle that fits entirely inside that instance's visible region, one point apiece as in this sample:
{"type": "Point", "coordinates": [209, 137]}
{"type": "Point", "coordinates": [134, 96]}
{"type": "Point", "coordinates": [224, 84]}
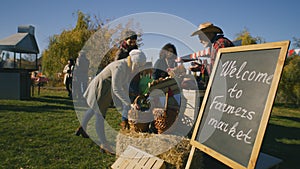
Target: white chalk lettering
{"type": "Point", "coordinates": [247, 137]}
{"type": "Point", "coordinates": [230, 69]}
{"type": "Point", "coordinates": [230, 109]}
{"type": "Point", "coordinates": [233, 132]}
{"type": "Point", "coordinates": [240, 135]}
{"type": "Point", "coordinates": [233, 90]}
{"type": "Point", "coordinates": [218, 124]}
{"type": "Point", "coordinates": [240, 70]}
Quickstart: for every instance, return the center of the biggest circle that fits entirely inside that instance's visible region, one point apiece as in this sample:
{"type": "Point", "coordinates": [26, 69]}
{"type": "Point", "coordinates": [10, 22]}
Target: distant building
{"type": "Point", "coordinates": [17, 59]}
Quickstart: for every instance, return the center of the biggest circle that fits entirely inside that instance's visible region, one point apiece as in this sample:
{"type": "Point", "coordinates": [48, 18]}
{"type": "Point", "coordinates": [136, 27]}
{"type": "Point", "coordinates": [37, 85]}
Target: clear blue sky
{"type": "Point", "coordinates": [271, 20]}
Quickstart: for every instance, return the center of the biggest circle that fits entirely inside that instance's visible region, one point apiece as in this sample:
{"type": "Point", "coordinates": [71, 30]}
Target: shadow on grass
{"type": "Point", "coordinates": [44, 104]}
{"type": "Point", "coordinates": [286, 105]}
{"type": "Point", "coordinates": [274, 146]}
{"type": "Point", "coordinates": [54, 99]}
{"type": "Point", "coordinates": [296, 119]}
{"type": "Point", "coordinates": [37, 109]}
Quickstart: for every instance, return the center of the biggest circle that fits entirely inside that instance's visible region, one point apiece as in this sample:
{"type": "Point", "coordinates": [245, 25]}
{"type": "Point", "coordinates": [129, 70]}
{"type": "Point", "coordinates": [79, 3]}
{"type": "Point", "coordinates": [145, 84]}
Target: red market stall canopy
{"type": "Point", "coordinates": [195, 56]}
{"type": "Point", "coordinates": [204, 54]}
{"type": "Point", "coordinates": [293, 52]}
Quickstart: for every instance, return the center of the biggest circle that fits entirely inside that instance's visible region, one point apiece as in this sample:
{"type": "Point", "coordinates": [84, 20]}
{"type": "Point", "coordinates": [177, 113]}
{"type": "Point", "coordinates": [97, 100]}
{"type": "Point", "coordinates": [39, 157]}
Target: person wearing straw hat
{"type": "Point", "coordinates": [211, 36]}
{"type": "Point", "coordinates": [112, 82]}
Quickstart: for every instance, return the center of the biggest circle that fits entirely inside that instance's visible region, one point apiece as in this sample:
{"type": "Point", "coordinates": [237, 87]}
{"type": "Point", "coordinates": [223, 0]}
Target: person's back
{"type": "Point", "coordinates": [80, 74]}
{"type": "Point", "coordinates": [68, 70]}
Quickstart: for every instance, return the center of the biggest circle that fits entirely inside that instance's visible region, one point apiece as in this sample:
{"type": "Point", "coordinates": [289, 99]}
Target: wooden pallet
{"type": "Point", "coordinates": [133, 158]}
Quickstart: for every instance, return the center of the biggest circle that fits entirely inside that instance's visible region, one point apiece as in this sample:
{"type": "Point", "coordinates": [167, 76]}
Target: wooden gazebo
{"type": "Point", "coordinates": [15, 71]}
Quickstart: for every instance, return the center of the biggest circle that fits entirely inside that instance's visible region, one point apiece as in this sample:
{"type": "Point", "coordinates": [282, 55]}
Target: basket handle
{"type": "Point", "coordinates": [166, 102]}
{"type": "Point", "coordinates": [136, 99]}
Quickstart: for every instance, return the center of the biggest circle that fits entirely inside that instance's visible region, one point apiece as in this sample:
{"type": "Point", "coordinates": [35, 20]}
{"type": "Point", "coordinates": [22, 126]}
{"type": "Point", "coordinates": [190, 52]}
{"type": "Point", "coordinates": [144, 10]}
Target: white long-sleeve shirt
{"type": "Point", "coordinates": [120, 75]}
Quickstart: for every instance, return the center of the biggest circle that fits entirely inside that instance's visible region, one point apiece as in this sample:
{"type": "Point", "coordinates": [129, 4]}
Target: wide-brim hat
{"type": "Point", "coordinates": [207, 27]}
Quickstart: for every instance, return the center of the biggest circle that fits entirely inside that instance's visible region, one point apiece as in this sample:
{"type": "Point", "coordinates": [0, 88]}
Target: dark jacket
{"type": "Point", "coordinates": [124, 50]}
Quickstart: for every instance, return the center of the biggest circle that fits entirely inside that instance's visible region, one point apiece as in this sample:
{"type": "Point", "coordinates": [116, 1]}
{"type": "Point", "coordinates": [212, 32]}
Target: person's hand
{"type": "Point", "coordinates": [195, 68]}
{"type": "Point", "coordinates": [135, 106]}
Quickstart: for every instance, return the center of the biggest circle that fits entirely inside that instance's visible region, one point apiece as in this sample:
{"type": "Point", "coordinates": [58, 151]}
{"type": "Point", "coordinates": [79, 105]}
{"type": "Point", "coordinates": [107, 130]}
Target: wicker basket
{"type": "Point", "coordinates": [164, 117]}
{"type": "Point", "coordinates": [138, 120]}
{"type": "Point", "coordinates": [160, 119]}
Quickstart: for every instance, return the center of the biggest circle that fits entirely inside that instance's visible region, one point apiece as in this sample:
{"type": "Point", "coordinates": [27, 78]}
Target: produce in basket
{"type": "Point", "coordinates": [139, 117]}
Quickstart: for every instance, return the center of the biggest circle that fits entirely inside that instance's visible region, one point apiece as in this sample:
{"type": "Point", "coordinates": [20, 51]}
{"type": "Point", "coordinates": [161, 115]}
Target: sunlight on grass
{"type": "Point", "coordinates": [286, 117]}
{"type": "Point", "coordinates": [39, 133]}
{"type": "Point", "coordinates": [284, 121]}
{"type": "Point", "coordinates": [288, 141]}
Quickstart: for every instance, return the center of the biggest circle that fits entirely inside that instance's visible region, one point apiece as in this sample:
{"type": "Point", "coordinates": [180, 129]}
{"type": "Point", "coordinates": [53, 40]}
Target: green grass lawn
{"type": "Point", "coordinates": [282, 138]}
{"type": "Point", "coordinates": [39, 133]}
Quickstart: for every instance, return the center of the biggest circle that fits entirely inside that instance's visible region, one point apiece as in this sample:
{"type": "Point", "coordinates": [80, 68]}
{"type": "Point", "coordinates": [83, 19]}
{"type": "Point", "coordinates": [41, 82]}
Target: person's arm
{"type": "Point", "coordinates": [119, 83]}
{"type": "Point", "coordinates": [66, 68]}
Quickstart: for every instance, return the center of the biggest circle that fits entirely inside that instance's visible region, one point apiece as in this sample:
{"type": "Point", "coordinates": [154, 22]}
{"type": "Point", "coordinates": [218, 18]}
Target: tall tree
{"type": "Point", "coordinates": [296, 43]}
{"type": "Point", "coordinates": [247, 38]}
{"type": "Point", "coordinates": [289, 86]}
{"type": "Point", "coordinates": [66, 45]}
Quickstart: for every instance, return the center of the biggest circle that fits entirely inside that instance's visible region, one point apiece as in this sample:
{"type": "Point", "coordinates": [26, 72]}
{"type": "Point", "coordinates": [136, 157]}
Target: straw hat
{"type": "Point", "coordinates": [207, 27]}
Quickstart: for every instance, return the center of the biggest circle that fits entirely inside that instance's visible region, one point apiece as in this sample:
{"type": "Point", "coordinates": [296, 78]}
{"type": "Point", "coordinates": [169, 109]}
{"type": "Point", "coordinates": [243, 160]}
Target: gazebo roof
{"type": "Point", "coordinates": [20, 43]}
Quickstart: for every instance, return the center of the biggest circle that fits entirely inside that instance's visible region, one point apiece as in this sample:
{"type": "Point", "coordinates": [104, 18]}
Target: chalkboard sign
{"type": "Point", "coordinates": [238, 101]}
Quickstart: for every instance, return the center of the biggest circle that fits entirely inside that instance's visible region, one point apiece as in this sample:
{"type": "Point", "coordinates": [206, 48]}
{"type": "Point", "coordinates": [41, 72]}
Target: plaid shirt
{"type": "Point", "coordinates": [219, 42]}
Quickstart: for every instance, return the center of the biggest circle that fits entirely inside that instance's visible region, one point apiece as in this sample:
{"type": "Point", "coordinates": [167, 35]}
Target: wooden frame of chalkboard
{"type": "Point", "coordinates": [237, 103]}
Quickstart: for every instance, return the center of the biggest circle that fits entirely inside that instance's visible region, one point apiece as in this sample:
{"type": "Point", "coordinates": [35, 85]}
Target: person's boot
{"type": "Point", "coordinates": [81, 132]}
{"type": "Point", "coordinates": [106, 148]}
{"type": "Point", "coordinates": [124, 125]}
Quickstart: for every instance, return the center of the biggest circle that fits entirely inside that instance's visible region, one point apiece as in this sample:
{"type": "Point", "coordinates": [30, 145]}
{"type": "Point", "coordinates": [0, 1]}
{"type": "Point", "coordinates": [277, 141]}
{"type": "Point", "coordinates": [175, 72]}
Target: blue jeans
{"type": "Point", "coordinates": [125, 110]}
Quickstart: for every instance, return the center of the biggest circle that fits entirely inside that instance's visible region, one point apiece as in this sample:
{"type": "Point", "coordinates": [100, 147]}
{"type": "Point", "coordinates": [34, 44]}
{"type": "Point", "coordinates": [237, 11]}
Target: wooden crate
{"type": "Point", "coordinates": [137, 159]}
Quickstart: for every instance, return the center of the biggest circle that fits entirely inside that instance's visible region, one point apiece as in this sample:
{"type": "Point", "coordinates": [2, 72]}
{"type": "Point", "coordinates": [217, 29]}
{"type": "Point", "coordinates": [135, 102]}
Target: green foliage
{"type": "Point", "coordinates": [289, 86]}
{"type": "Point", "coordinates": [39, 133]}
{"type": "Point", "coordinates": [64, 46]}
{"type": "Point", "coordinates": [247, 39]}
